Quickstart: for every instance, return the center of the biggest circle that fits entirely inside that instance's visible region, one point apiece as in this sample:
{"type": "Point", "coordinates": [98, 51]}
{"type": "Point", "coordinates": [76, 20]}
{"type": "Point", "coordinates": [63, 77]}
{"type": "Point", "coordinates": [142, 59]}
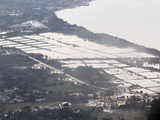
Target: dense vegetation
{"type": "Point", "coordinates": [22, 80]}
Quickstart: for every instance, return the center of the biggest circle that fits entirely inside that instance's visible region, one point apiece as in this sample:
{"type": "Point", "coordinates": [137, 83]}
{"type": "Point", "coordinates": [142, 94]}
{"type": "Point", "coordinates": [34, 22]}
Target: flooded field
{"type": "Point", "coordinates": [73, 52]}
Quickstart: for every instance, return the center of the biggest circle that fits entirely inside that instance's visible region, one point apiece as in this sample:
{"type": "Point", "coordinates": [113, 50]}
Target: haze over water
{"type": "Point", "coordinates": [135, 20]}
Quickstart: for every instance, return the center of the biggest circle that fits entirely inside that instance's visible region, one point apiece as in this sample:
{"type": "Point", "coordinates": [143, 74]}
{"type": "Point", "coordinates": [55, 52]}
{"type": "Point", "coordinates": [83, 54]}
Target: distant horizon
{"type": "Point", "coordinates": [135, 21]}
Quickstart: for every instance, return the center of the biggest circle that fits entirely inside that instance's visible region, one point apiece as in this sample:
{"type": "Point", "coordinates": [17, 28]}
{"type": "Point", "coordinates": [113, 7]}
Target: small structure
{"type": "Point", "coordinates": [65, 105]}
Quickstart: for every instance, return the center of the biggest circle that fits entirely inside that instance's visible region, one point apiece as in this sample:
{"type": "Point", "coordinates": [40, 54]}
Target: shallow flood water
{"type": "Point", "coordinates": [135, 20]}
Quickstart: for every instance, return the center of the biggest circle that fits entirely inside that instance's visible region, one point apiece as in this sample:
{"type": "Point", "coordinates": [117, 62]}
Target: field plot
{"type": "Point", "coordinates": [73, 52]}
{"type": "Point", "coordinates": [137, 70]}
{"type": "Point", "coordinates": [157, 89]}
{"type": "Point", "coordinates": [146, 83]}
{"type": "Point", "coordinates": [151, 75]}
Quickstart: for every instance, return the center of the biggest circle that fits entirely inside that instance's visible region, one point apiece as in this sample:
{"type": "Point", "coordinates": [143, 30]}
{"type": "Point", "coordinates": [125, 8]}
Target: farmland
{"type": "Point", "coordinates": [73, 52]}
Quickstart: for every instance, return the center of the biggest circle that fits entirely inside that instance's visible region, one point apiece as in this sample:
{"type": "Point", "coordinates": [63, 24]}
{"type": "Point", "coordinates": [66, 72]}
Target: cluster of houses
{"type": "Point", "coordinates": [121, 102]}
{"type": "Point", "coordinates": [16, 95]}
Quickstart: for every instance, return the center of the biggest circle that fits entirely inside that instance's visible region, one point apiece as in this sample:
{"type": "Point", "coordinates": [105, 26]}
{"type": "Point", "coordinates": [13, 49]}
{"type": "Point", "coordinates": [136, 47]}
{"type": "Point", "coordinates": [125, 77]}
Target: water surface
{"type": "Point", "coordinates": [135, 20]}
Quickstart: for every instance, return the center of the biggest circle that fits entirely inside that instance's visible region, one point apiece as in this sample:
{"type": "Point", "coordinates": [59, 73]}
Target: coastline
{"type": "Point", "coordinates": [131, 29]}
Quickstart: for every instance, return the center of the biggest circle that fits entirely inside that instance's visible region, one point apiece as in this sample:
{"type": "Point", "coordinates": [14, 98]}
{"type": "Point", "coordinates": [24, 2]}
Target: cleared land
{"type": "Point", "coordinates": [73, 52]}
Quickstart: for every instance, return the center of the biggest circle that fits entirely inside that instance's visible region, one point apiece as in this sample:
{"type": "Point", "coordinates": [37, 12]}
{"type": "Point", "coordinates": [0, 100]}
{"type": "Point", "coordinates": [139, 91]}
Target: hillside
{"type": "Point", "coordinates": [45, 61]}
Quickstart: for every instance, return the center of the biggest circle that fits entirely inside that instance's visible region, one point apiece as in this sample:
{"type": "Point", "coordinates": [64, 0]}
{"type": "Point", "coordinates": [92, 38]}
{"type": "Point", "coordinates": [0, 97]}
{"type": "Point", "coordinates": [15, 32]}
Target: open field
{"type": "Point", "coordinates": [73, 52]}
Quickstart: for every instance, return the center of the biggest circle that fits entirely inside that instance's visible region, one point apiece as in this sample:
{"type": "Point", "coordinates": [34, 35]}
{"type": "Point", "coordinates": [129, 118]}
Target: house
{"type": "Point", "coordinates": [64, 105]}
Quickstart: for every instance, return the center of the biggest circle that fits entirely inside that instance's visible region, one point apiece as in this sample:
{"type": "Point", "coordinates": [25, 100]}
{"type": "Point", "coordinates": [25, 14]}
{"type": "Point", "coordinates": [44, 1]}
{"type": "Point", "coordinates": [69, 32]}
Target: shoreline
{"type": "Point", "coordinates": [141, 38]}
{"type": "Point", "coordinates": [56, 24]}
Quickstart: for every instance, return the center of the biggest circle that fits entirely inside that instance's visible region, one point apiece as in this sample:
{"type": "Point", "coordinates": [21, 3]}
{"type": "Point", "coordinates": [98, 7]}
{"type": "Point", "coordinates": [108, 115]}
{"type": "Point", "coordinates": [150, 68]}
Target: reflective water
{"type": "Point", "coordinates": [135, 20]}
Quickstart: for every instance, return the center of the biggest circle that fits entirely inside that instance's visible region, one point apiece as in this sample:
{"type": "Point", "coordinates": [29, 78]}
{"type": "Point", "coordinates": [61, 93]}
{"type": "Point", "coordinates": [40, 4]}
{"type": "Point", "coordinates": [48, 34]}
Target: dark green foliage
{"type": "Point", "coordinates": [95, 77]}
{"type": "Point", "coordinates": [46, 114]}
